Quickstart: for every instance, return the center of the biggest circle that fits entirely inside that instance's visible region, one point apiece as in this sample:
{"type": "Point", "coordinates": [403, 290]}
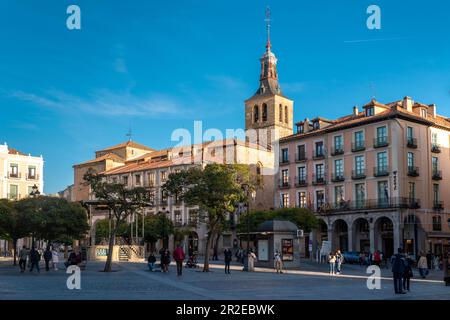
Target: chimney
{"type": "Point", "coordinates": [355, 110]}
{"type": "Point", "coordinates": [407, 104]}
{"type": "Point", "coordinates": [432, 110]}
{"type": "Point", "coordinates": [306, 125]}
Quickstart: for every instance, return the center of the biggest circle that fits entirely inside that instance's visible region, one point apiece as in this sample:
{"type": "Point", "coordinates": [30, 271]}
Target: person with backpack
{"type": "Point", "coordinates": [408, 273]}
{"type": "Point", "coordinates": [35, 257]}
{"type": "Point", "coordinates": [228, 255]}
{"type": "Point", "coordinates": [179, 256]}
{"type": "Point", "coordinates": [47, 258]}
{"type": "Point", "coordinates": [398, 271]}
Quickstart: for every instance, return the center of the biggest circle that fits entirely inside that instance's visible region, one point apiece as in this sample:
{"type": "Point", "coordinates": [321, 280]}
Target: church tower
{"type": "Point", "coordinates": [268, 111]}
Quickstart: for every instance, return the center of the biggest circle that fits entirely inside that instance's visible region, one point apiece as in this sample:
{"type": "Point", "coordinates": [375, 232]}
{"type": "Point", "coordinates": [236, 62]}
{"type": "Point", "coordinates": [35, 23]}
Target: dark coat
{"type": "Point", "coordinates": [398, 263]}
{"type": "Point", "coordinates": [228, 255]}
{"type": "Point", "coordinates": [47, 255]}
{"type": "Point", "coordinates": [35, 256]}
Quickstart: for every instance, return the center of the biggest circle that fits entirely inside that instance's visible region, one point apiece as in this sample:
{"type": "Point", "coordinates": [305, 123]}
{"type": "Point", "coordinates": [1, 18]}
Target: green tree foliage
{"type": "Point", "coordinates": [102, 231]}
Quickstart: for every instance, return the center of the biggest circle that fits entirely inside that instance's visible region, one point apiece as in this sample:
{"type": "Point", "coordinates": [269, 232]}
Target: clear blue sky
{"type": "Point", "coordinates": [160, 65]}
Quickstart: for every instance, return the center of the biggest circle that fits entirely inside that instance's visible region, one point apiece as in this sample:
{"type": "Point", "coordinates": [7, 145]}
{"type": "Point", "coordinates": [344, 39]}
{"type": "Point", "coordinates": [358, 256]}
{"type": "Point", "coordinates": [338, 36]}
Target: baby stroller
{"type": "Point", "coordinates": [192, 262]}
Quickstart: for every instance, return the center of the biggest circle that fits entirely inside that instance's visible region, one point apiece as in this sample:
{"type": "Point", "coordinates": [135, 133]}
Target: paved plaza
{"type": "Point", "coordinates": [133, 281]}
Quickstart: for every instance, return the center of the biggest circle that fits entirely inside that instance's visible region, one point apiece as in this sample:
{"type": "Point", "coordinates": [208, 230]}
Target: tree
{"type": "Point", "coordinates": [121, 200]}
{"type": "Point", "coordinates": [157, 227]}
{"type": "Point", "coordinates": [215, 189]}
{"type": "Point", "coordinates": [102, 230]}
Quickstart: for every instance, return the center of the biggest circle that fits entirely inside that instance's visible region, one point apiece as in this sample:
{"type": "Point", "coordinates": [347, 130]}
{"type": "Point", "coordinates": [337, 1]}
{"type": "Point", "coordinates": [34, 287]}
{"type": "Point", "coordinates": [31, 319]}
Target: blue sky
{"type": "Point", "coordinates": [159, 65]}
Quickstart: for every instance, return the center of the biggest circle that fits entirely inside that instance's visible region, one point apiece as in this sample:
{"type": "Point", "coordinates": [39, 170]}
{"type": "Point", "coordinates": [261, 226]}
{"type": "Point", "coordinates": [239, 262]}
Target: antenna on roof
{"type": "Point", "coordinates": [129, 133]}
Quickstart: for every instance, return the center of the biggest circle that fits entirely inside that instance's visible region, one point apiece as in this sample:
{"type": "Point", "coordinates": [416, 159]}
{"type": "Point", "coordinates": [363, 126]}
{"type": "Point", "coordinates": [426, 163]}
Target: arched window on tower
{"type": "Point", "coordinates": [286, 114]}
{"type": "Point", "coordinates": [264, 112]}
{"type": "Point", "coordinates": [280, 113]}
{"type": "Point", "coordinates": [255, 114]}
{"type": "Point", "coordinates": [258, 173]}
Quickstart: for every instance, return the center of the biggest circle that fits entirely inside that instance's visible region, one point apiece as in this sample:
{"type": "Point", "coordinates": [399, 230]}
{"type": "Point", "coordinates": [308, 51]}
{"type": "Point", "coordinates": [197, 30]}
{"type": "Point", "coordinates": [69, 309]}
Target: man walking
{"type": "Point", "coordinates": [23, 255]}
{"type": "Point", "coordinates": [398, 271]}
{"type": "Point", "coordinates": [35, 257]}
{"type": "Point", "coordinates": [228, 255]}
{"type": "Point", "coordinates": [339, 261]}
{"type": "Point", "coordinates": [278, 262]}
{"type": "Point", "coordinates": [179, 256]}
{"type": "Point", "coordinates": [47, 258]}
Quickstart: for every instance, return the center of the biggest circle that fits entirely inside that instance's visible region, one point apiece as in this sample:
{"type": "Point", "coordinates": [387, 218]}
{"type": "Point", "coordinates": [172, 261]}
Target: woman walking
{"type": "Point", "coordinates": [55, 258]}
{"type": "Point", "coordinates": [423, 265]}
{"type": "Point", "coordinates": [408, 273]}
{"type": "Point", "coordinates": [332, 262]}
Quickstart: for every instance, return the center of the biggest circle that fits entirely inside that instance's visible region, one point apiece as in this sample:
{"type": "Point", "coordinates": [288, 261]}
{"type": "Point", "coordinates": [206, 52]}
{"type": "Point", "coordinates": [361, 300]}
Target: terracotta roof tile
{"type": "Point", "coordinates": [17, 152]}
{"type": "Point", "coordinates": [108, 156]}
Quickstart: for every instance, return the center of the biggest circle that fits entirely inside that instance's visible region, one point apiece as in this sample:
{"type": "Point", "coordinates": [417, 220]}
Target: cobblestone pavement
{"type": "Point", "coordinates": [133, 281]}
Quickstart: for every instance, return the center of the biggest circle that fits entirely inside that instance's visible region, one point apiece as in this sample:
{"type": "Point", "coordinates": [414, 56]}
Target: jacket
{"type": "Point", "coordinates": [227, 255]}
{"type": "Point", "coordinates": [422, 264]}
{"type": "Point", "coordinates": [398, 263]}
{"type": "Point", "coordinates": [178, 254]}
{"type": "Point", "coordinates": [47, 255]}
{"type": "Point", "coordinates": [23, 254]}
{"type": "Point", "coordinates": [55, 256]}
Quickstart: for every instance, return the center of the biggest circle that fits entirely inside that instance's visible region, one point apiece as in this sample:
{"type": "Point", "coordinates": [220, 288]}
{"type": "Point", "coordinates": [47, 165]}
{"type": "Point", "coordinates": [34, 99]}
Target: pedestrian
{"type": "Point", "coordinates": [377, 258]}
{"type": "Point", "coordinates": [278, 262]}
{"type": "Point", "coordinates": [23, 255]}
{"type": "Point", "coordinates": [446, 268]}
{"type": "Point", "coordinates": [332, 262]}
{"type": "Point", "coordinates": [162, 259]}
{"type": "Point", "coordinates": [179, 256]}
{"type": "Point", "coordinates": [429, 258]}
{"type": "Point", "coordinates": [408, 273]}
{"type": "Point", "coordinates": [151, 261]}
{"type": "Point", "coordinates": [71, 260]}
{"type": "Point", "coordinates": [47, 258]}
{"type": "Point", "coordinates": [35, 257]}
{"type": "Point", "coordinates": [437, 263]}
{"type": "Point", "coordinates": [339, 261]}
{"type": "Point", "coordinates": [422, 264]}
{"type": "Point", "coordinates": [227, 255]}
{"type": "Point", "coordinates": [55, 258]}
{"type": "Point", "coordinates": [166, 260]}
{"type": "Point", "coordinates": [215, 254]}
{"type": "Point", "coordinates": [251, 260]}
{"type": "Point", "coordinates": [398, 271]}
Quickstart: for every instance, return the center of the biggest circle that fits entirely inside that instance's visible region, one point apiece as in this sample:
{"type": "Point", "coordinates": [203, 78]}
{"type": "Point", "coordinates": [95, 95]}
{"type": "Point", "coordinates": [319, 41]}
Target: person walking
{"type": "Point", "coordinates": [408, 273]}
{"type": "Point", "coordinates": [228, 255]}
{"type": "Point", "coordinates": [23, 256]}
{"type": "Point", "coordinates": [35, 257]}
{"type": "Point", "coordinates": [278, 262]}
{"type": "Point", "coordinates": [161, 259]}
{"type": "Point", "coordinates": [422, 264]}
{"type": "Point", "coordinates": [398, 271]}
{"type": "Point", "coordinates": [429, 258]}
{"type": "Point", "coordinates": [55, 258]}
{"type": "Point", "coordinates": [166, 260]}
{"type": "Point", "coordinates": [179, 256]}
{"type": "Point", "coordinates": [377, 258]}
{"type": "Point", "coordinates": [339, 261]}
{"type": "Point", "coordinates": [437, 263]}
{"type": "Point", "coordinates": [332, 262]}
{"type": "Point", "coordinates": [151, 262]}
{"type": "Point", "coordinates": [47, 258]}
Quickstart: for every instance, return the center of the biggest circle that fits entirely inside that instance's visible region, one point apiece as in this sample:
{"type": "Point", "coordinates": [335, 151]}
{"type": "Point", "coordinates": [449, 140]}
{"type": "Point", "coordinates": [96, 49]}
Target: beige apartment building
{"type": "Point", "coordinates": [378, 179]}
{"type": "Point", "coordinates": [19, 173]}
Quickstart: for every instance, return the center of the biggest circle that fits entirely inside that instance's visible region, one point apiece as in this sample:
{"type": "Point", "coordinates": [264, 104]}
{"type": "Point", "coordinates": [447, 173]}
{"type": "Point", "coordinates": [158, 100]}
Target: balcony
{"type": "Point", "coordinates": [284, 184]}
{"type": "Point", "coordinates": [372, 204]}
{"type": "Point", "coordinates": [381, 171]}
{"type": "Point", "coordinates": [413, 171]}
{"type": "Point", "coordinates": [358, 146]}
{"type": "Point", "coordinates": [438, 205]}
{"type": "Point", "coordinates": [358, 174]}
{"type": "Point", "coordinates": [336, 151]}
{"type": "Point", "coordinates": [300, 182]}
{"type": "Point", "coordinates": [337, 177]}
{"type": "Point", "coordinates": [284, 160]}
{"type": "Point", "coordinates": [33, 177]}
{"type": "Point", "coordinates": [411, 143]}
{"type": "Point", "coordinates": [319, 155]}
{"type": "Point", "coordinates": [319, 180]}
{"type": "Point", "coordinates": [380, 142]}
{"type": "Point", "coordinates": [435, 148]}
{"type": "Point", "coordinates": [300, 157]}
{"type": "Point", "coordinates": [14, 175]}
{"type": "Point", "coordinates": [437, 175]}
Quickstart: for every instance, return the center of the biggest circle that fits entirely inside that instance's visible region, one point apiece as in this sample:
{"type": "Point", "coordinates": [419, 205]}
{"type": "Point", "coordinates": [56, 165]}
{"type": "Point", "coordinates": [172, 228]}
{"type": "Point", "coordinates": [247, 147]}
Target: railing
{"type": "Point", "coordinates": [413, 171]}
{"type": "Point", "coordinates": [437, 175]}
{"type": "Point", "coordinates": [358, 146]}
{"type": "Point", "coordinates": [284, 183]}
{"type": "Point", "coordinates": [284, 160]}
{"type": "Point", "coordinates": [436, 148]}
{"type": "Point", "coordinates": [383, 203]}
{"type": "Point", "coordinates": [299, 157]}
{"type": "Point", "coordinates": [438, 205]}
{"type": "Point", "coordinates": [358, 174]}
{"type": "Point", "coordinates": [337, 177]}
{"type": "Point", "coordinates": [411, 143]}
{"type": "Point", "coordinates": [380, 142]}
{"type": "Point", "coordinates": [300, 182]}
{"type": "Point", "coordinates": [318, 179]}
{"type": "Point", "coordinates": [335, 151]}
{"type": "Point", "coordinates": [32, 177]}
{"type": "Point", "coordinates": [16, 175]}
{"type": "Point", "coordinates": [381, 171]}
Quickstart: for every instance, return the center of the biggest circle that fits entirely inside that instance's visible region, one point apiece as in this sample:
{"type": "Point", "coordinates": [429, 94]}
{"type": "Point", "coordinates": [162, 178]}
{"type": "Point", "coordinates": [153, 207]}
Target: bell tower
{"type": "Point", "coordinates": [268, 111]}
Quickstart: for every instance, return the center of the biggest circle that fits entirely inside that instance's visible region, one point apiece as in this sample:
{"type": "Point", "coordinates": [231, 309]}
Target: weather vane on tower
{"type": "Point", "coordinates": [268, 20]}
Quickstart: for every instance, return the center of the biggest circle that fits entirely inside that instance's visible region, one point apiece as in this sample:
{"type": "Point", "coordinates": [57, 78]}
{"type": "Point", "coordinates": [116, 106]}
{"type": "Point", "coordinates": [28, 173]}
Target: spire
{"type": "Point", "coordinates": [268, 45]}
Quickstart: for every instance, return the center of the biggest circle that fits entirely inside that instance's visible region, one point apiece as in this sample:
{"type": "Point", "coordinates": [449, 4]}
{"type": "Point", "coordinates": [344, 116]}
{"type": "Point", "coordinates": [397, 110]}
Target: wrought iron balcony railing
{"type": "Point", "coordinates": [336, 151]}
{"type": "Point", "coordinates": [299, 157]}
{"type": "Point", "coordinates": [381, 171]}
{"type": "Point", "coordinates": [358, 146]}
{"type": "Point", "coordinates": [413, 171]}
{"type": "Point", "coordinates": [380, 142]}
{"type": "Point", "coordinates": [318, 179]}
{"type": "Point", "coordinates": [300, 182]}
{"type": "Point", "coordinates": [437, 175]}
{"type": "Point", "coordinates": [358, 174]}
{"type": "Point", "coordinates": [436, 148]}
{"type": "Point", "coordinates": [411, 143]}
{"type": "Point", "coordinates": [371, 204]}
{"type": "Point", "coordinates": [337, 177]}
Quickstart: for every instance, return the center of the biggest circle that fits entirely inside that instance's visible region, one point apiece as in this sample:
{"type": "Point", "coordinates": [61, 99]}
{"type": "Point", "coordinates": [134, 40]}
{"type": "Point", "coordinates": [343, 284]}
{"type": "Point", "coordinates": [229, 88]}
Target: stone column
{"type": "Point", "coordinates": [372, 236]}
{"type": "Point", "coordinates": [350, 238]}
{"type": "Point", "coordinates": [398, 234]}
{"type": "Point", "coordinates": [330, 237]}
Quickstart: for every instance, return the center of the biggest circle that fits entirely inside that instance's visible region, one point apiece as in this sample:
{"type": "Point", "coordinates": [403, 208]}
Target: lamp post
{"type": "Point", "coordinates": [249, 194]}
{"type": "Point", "coordinates": [164, 212]}
{"type": "Point", "coordinates": [34, 194]}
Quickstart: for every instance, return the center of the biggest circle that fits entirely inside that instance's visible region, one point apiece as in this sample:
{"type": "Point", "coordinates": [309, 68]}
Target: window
{"type": "Point", "coordinates": [382, 162]}
{"type": "Point", "coordinates": [286, 114]}
{"type": "Point", "coordinates": [434, 164]}
{"type": "Point", "coordinates": [437, 223]}
{"type": "Point", "coordinates": [280, 113]}
{"type": "Point", "coordinates": [255, 114]}
{"type": "Point", "coordinates": [410, 160]}
{"type": "Point", "coordinates": [285, 177]}
{"type": "Point", "coordinates": [370, 111]}
{"type": "Point", "coordinates": [137, 179]}
{"type": "Point", "coordinates": [264, 112]}
{"type": "Point", "coordinates": [151, 179]}
{"type": "Point", "coordinates": [316, 125]}
{"type": "Point", "coordinates": [285, 155]}
{"type": "Point", "coordinates": [177, 216]}
{"type": "Point", "coordinates": [31, 172]}
{"type": "Point", "coordinates": [409, 133]}
{"type": "Point", "coordinates": [114, 180]}
{"type": "Point", "coordinates": [338, 143]}
{"type": "Point", "coordinates": [319, 172]}
{"type": "Point", "coordinates": [435, 194]}
{"type": "Point", "coordinates": [339, 168]}
{"type": "Point", "coordinates": [302, 199]}
{"type": "Point", "coordinates": [163, 197]}
{"type": "Point", "coordinates": [359, 139]}
{"type": "Point", "coordinates": [284, 200]}
{"type": "Point", "coordinates": [302, 174]}
{"type": "Point", "coordinates": [300, 129]}
{"type": "Point", "coordinates": [14, 171]}
{"type": "Point", "coordinates": [360, 166]}
{"type": "Point", "coordinates": [301, 152]}
{"type": "Point", "coordinates": [339, 194]}
{"type": "Point", "coordinates": [29, 190]}
{"type": "Point", "coordinates": [423, 112]}
{"type": "Point", "coordinates": [163, 175]}
{"type": "Point", "coordinates": [320, 199]}
{"type": "Point", "coordinates": [382, 134]}
{"type": "Point", "coordinates": [319, 149]}
{"type": "Point", "coordinates": [13, 192]}
{"type": "Point", "coordinates": [360, 193]}
{"type": "Point", "coordinates": [383, 192]}
{"type": "Point", "coordinates": [125, 180]}
{"type": "Point", "coordinates": [412, 191]}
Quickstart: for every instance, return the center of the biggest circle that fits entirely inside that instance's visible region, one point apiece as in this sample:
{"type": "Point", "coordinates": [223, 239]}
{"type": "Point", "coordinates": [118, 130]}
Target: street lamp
{"type": "Point", "coordinates": [250, 194]}
{"type": "Point", "coordinates": [164, 212]}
